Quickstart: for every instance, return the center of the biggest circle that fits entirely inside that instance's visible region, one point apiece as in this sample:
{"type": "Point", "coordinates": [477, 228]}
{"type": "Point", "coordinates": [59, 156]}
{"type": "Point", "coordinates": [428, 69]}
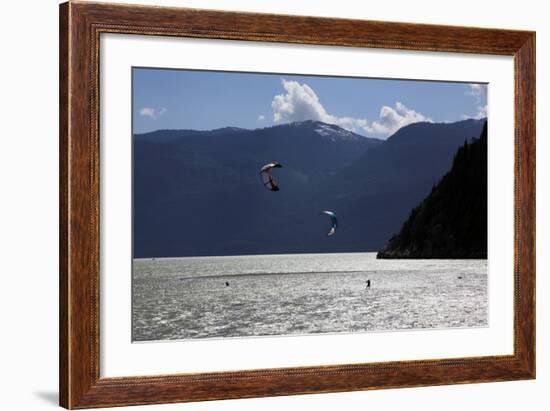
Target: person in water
{"type": "Point", "coordinates": [227, 284]}
{"type": "Point", "coordinates": [368, 284]}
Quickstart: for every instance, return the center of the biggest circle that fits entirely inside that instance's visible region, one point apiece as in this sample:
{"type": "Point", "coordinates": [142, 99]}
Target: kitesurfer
{"type": "Point", "coordinates": [267, 178]}
{"type": "Point", "coordinates": [333, 220]}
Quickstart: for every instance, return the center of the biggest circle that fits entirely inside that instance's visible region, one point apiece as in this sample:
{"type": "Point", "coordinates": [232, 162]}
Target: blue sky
{"type": "Point", "coordinates": [205, 100]}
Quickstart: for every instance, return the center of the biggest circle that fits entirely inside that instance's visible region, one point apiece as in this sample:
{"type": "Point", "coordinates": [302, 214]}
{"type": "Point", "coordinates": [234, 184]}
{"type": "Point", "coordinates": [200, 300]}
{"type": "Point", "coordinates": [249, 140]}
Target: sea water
{"type": "Point", "coordinates": [261, 295]}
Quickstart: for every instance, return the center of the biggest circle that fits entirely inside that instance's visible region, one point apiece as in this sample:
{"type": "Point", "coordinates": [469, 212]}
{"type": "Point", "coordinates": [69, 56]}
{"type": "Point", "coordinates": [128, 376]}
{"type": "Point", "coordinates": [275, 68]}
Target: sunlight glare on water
{"type": "Point", "coordinates": [181, 298]}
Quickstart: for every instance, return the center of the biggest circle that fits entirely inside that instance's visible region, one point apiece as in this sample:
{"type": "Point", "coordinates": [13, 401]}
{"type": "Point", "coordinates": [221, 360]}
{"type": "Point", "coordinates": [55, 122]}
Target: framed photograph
{"type": "Point", "coordinates": [258, 205]}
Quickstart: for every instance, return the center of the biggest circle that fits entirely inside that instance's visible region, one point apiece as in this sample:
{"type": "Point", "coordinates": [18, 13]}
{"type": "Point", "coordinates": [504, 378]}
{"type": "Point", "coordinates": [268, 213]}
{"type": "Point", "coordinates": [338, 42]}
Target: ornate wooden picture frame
{"type": "Point", "coordinates": [81, 25]}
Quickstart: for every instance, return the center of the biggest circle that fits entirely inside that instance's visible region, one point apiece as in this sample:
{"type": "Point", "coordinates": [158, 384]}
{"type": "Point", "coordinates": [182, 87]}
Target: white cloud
{"type": "Point", "coordinates": [481, 113]}
{"type": "Point", "coordinates": [300, 103]}
{"type": "Point", "coordinates": [152, 112]}
{"type": "Point", "coordinates": [261, 117]}
{"type": "Point", "coordinates": [479, 92]}
{"type": "Point", "coordinates": [392, 119]}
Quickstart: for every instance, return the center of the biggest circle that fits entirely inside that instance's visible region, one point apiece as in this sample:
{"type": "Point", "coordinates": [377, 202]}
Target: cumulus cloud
{"type": "Point", "coordinates": [480, 113]}
{"type": "Point", "coordinates": [152, 112]}
{"type": "Point", "coordinates": [392, 119]}
{"type": "Point", "coordinates": [479, 92]}
{"type": "Point", "coordinates": [300, 103]}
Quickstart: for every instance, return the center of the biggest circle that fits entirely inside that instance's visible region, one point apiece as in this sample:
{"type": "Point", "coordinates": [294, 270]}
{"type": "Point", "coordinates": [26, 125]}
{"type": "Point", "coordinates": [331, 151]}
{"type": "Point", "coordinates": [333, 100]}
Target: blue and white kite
{"type": "Point", "coordinates": [333, 220]}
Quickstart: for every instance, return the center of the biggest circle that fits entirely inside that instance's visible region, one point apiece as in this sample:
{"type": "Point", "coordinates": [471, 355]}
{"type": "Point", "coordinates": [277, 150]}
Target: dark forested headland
{"type": "Point", "coordinates": [451, 222]}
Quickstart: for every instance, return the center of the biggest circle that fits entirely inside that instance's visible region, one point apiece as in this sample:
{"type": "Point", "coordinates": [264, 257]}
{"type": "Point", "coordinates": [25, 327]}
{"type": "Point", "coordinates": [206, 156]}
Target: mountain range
{"type": "Point", "coordinates": [199, 192]}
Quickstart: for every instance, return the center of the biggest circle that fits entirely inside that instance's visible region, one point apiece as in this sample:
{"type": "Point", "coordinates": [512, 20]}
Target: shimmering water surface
{"type": "Point", "coordinates": [180, 298]}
